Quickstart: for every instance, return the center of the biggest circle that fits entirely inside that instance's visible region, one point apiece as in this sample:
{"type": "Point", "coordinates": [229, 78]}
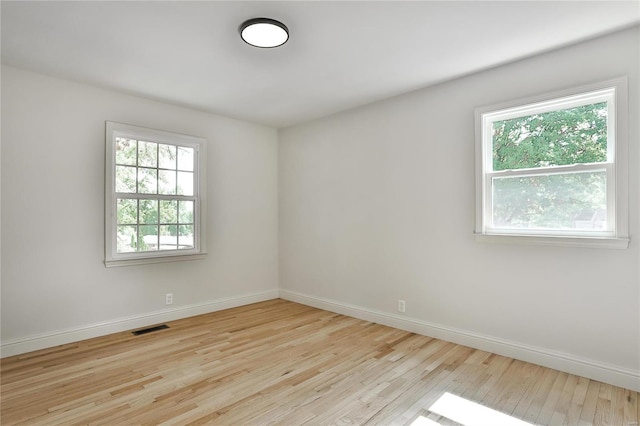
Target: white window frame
{"type": "Point", "coordinates": [112, 257]}
{"type": "Point", "coordinates": [616, 235]}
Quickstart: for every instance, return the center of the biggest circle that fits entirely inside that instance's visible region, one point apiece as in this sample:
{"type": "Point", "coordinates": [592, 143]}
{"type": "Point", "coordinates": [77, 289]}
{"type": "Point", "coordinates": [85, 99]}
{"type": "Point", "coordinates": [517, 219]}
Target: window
{"type": "Point", "coordinates": [154, 196]}
{"type": "Point", "coordinates": [552, 170]}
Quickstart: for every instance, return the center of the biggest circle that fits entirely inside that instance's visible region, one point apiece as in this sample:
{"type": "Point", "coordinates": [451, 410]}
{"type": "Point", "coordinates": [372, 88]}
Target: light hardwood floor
{"type": "Point", "coordinates": [279, 362]}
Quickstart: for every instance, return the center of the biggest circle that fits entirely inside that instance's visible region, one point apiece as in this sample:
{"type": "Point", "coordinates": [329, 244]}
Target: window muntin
{"type": "Point", "coordinates": [548, 168]}
{"type": "Point", "coordinates": [153, 194]}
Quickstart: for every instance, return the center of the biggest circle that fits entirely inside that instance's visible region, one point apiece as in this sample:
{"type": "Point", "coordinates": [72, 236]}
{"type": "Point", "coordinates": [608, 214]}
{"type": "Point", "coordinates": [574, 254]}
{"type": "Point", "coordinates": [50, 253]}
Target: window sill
{"type": "Point", "coordinates": [559, 241]}
{"type": "Point", "coordinates": [111, 263]}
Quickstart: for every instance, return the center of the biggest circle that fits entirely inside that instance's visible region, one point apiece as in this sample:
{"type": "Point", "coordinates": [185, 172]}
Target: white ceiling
{"type": "Point", "coordinates": [340, 54]}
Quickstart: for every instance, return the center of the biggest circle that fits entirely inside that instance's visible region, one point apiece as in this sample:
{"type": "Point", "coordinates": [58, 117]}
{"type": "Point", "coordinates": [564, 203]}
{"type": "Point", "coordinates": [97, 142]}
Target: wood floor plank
{"type": "Point", "coordinates": [283, 363]}
{"type": "Point", "coordinates": [589, 408]}
{"type": "Point", "coordinates": [577, 402]}
{"type": "Point", "coordinates": [603, 412]}
{"type": "Point", "coordinates": [630, 406]}
{"type": "Point", "coordinates": [532, 394]}
{"type": "Point", "coordinates": [562, 405]}
{"type": "Point", "coordinates": [617, 408]}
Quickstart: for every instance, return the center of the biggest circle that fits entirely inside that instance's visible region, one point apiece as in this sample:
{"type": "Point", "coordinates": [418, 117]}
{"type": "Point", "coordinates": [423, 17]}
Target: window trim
{"type": "Point", "coordinates": [112, 258]}
{"type": "Point", "coordinates": [617, 167]}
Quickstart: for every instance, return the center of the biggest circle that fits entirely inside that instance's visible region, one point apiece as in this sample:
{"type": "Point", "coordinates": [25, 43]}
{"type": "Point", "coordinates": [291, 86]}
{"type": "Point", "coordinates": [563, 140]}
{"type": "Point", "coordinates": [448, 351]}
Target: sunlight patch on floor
{"type": "Point", "coordinates": [423, 421]}
{"type": "Point", "coordinates": [468, 413]}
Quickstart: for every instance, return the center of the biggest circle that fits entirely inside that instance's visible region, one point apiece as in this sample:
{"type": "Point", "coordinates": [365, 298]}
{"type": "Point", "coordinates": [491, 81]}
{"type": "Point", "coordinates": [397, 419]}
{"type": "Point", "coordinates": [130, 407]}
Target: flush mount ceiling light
{"type": "Point", "coordinates": [264, 32]}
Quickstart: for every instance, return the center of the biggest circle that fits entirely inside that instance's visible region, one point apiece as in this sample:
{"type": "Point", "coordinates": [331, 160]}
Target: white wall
{"type": "Point", "coordinates": [377, 204]}
{"type": "Point", "coordinates": [55, 287]}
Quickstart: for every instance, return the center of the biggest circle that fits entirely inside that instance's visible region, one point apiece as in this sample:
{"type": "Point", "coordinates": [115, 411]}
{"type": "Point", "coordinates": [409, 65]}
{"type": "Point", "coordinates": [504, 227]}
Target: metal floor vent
{"type": "Point", "coordinates": [150, 329]}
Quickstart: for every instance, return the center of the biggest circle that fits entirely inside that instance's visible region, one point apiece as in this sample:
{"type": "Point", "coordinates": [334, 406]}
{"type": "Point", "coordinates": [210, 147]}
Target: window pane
{"type": "Point", "coordinates": [147, 238]}
{"type": "Point", "coordinates": [555, 138]}
{"type": "Point", "coordinates": [126, 151]}
{"type": "Point", "coordinates": [573, 201]}
{"type": "Point", "coordinates": [126, 239]}
{"type": "Point", "coordinates": [168, 211]}
{"type": "Point", "coordinates": [127, 211]}
{"type": "Point", "coordinates": [185, 237]}
{"type": "Point", "coordinates": [167, 156]}
{"type": "Point", "coordinates": [186, 212]}
{"type": "Point", "coordinates": [167, 182]}
{"type": "Point", "coordinates": [125, 179]}
{"type": "Point", "coordinates": [185, 158]}
{"type": "Point", "coordinates": [148, 211]}
{"type": "Point", "coordinates": [185, 183]}
{"type": "Point", "coordinates": [147, 181]}
{"type": "Point", "coordinates": [169, 231]}
{"type": "Point", "coordinates": [147, 154]}
{"type": "Point", "coordinates": [169, 237]}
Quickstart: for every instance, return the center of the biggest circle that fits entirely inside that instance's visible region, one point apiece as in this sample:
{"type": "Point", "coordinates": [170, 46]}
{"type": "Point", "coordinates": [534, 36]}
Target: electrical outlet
{"type": "Point", "coordinates": [402, 305]}
{"type": "Point", "coordinates": [168, 298]}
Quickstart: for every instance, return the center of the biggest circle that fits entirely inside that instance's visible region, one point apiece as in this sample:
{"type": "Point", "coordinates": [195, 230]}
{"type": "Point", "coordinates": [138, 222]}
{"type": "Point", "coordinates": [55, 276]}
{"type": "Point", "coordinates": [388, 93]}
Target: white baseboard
{"type": "Point", "coordinates": [611, 374]}
{"type": "Point", "coordinates": [61, 337]}
{"type": "Point", "coordinates": [614, 375]}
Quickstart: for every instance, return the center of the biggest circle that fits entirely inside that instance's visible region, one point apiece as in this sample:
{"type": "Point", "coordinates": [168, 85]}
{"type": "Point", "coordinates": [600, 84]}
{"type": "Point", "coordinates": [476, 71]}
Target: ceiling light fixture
{"type": "Point", "coordinates": [264, 32]}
